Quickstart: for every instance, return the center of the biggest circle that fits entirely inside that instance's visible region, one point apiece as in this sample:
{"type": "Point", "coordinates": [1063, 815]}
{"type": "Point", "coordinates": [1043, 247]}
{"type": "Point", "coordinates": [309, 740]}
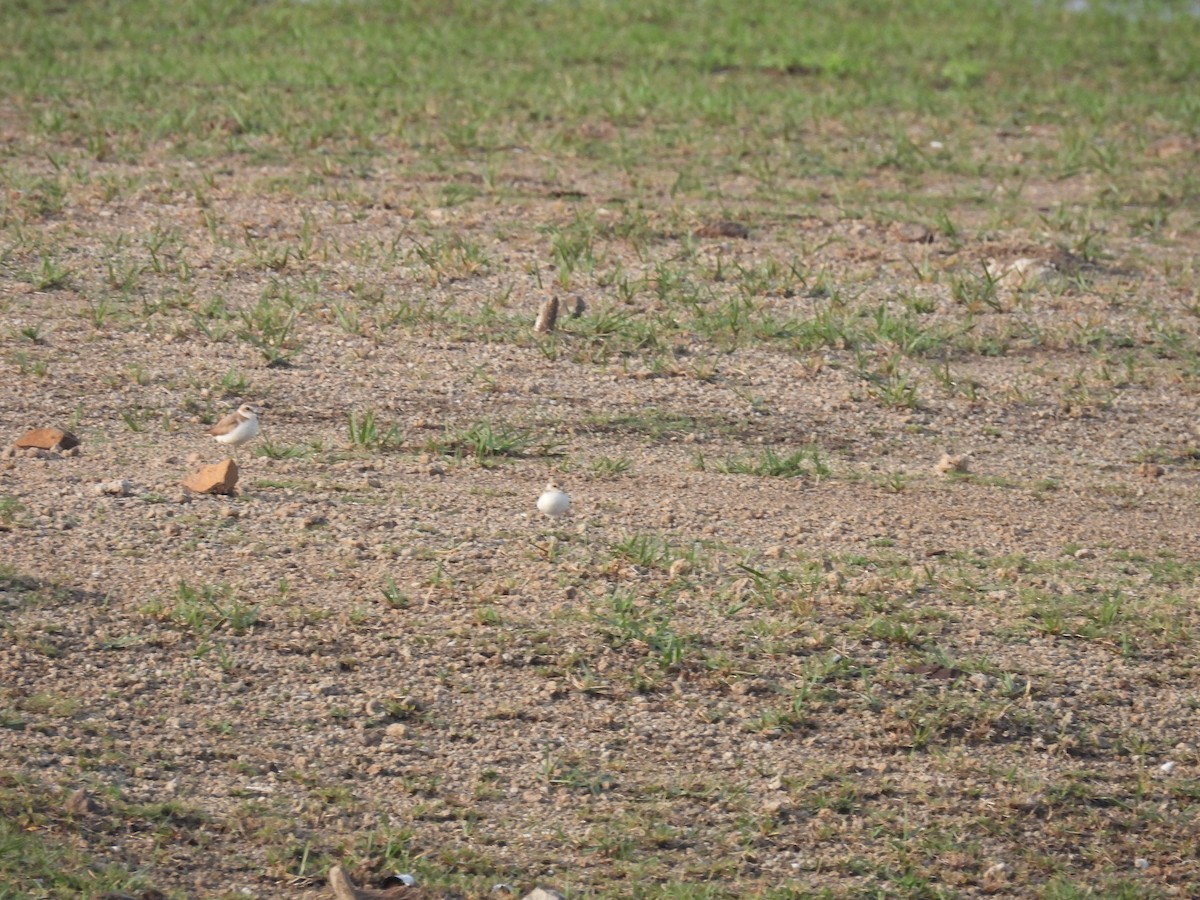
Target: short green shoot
{"type": "Point", "coordinates": [367, 433]}
{"type": "Point", "coordinates": [805, 463]}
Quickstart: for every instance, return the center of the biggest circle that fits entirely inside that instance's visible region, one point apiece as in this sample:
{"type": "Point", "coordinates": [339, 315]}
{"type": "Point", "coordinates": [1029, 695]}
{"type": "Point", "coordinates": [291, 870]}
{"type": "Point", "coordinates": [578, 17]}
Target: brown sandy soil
{"type": "Point", "coordinates": [870, 677]}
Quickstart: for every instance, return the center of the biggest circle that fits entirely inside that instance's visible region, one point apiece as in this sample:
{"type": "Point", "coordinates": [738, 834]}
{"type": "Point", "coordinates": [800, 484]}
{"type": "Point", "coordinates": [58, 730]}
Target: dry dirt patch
{"type": "Point", "coordinates": [855, 674]}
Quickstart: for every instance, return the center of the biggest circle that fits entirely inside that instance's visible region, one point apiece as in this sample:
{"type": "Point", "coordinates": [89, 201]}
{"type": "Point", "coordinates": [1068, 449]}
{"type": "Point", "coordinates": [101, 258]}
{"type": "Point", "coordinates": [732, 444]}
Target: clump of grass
{"type": "Point", "coordinates": [651, 422]}
{"type": "Point", "coordinates": [50, 275]}
{"type": "Point", "coordinates": [977, 292]}
{"type": "Point", "coordinates": [271, 450]}
{"type": "Point", "coordinates": [366, 432]}
{"type": "Point", "coordinates": [610, 467]}
{"type": "Point", "coordinates": [269, 326]}
{"type": "Point", "coordinates": [137, 419]}
{"type": "Point", "coordinates": [207, 608]}
{"type": "Point", "coordinates": [806, 463]}
{"type": "Point", "coordinates": [453, 257]}
{"type": "Point", "coordinates": [645, 550]}
{"type": "Point", "coordinates": [630, 622]}
{"type": "Point", "coordinates": [39, 855]}
{"type": "Point", "coordinates": [486, 442]}
{"type": "Point", "coordinates": [11, 510]}
{"type": "Point", "coordinates": [32, 333]}
{"type": "Point", "coordinates": [234, 383]}
{"type": "Point", "coordinates": [787, 718]}
{"type": "Point", "coordinates": [28, 366]}
{"type": "Point", "coordinates": [393, 596]}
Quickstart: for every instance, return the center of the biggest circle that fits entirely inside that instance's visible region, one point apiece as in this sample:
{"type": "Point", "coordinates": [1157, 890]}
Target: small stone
{"type": "Point", "coordinates": [1085, 553]}
{"type": "Point", "coordinates": [397, 731]}
{"type": "Point", "coordinates": [914, 233]}
{"type": "Point", "coordinates": [79, 804]}
{"type": "Point", "coordinates": [679, 568]}
{"type": "Point", "coordinates": [995, 877]}
{"type": "Point", "coordinates": [1168, 767]}
{"type": "Point", "coordinates": [116, 488]}
{"type": "Point", "coordinates": [547, 316]}
{"type": "Point", "coordinates": [952, 462]}
{"type": "Point", "coordinates": [219, 478]}
{"type": "Point", "coordinates": [723, 229]}
{"type": "Point", "coordinates": [375, 708]}
{"type": "Point", "coordinates": [543, 894]}
{"type": "Point", "coordinates": [47, 439]}
{"type": "Point", "coordinates": [1150, 471]}
{"type": "Point", "coordinates": [576, 306]}
{"type": "Point", "coordinates": [328, 687]}
{"type": "Point", "coordinates": [1172, 145]}
{"type": "Point", "coordinates": [1142, 863]}
{"type": "Point", "coordinates": [1023, 273]}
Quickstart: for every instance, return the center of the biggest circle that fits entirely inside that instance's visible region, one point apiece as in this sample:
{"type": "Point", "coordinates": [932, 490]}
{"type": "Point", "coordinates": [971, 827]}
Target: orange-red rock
{"type": "Point", "coordinates": [219, 478]}
{"type": "Point", "coordinates": [47, 439]}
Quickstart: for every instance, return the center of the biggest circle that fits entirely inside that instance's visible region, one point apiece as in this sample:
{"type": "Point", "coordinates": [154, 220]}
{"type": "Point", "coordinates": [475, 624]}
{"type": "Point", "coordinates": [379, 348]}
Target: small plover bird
{"type": "Point", "coordinates": [553, 502]}
{"type": "Point", "coordinates": [237, 427]}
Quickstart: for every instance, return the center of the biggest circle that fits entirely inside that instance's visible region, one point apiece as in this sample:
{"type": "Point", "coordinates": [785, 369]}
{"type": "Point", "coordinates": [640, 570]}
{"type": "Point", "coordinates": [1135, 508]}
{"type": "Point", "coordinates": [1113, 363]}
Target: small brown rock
{"type": "Point", "coordinates": [79, 804]}
{"type": "Point", "coordinates": [547, 316]}
{"type": "Point", "coordinates": [115, 488]}
{"type": "Point", "coordinates": [914, 233]}
{"type": "Point", "coordinates": [219, 478]}
{"type": "Point", "coordinates": [952, 462]}
{"type": "Point", "coordinates": [1150, 470]}
{"type": "Point", "coordinates": [679, 568]}
{"type": "Point", "coordinates": [995, 878]}
{"type": "Point", "coordinates": [375, 708]}
{"type": "Point", "coordinates": [1173, 145]}
{"type": "Point", "coordinates": [47, 439]}
{"type": "Point", "coordinates": [724, 229]}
